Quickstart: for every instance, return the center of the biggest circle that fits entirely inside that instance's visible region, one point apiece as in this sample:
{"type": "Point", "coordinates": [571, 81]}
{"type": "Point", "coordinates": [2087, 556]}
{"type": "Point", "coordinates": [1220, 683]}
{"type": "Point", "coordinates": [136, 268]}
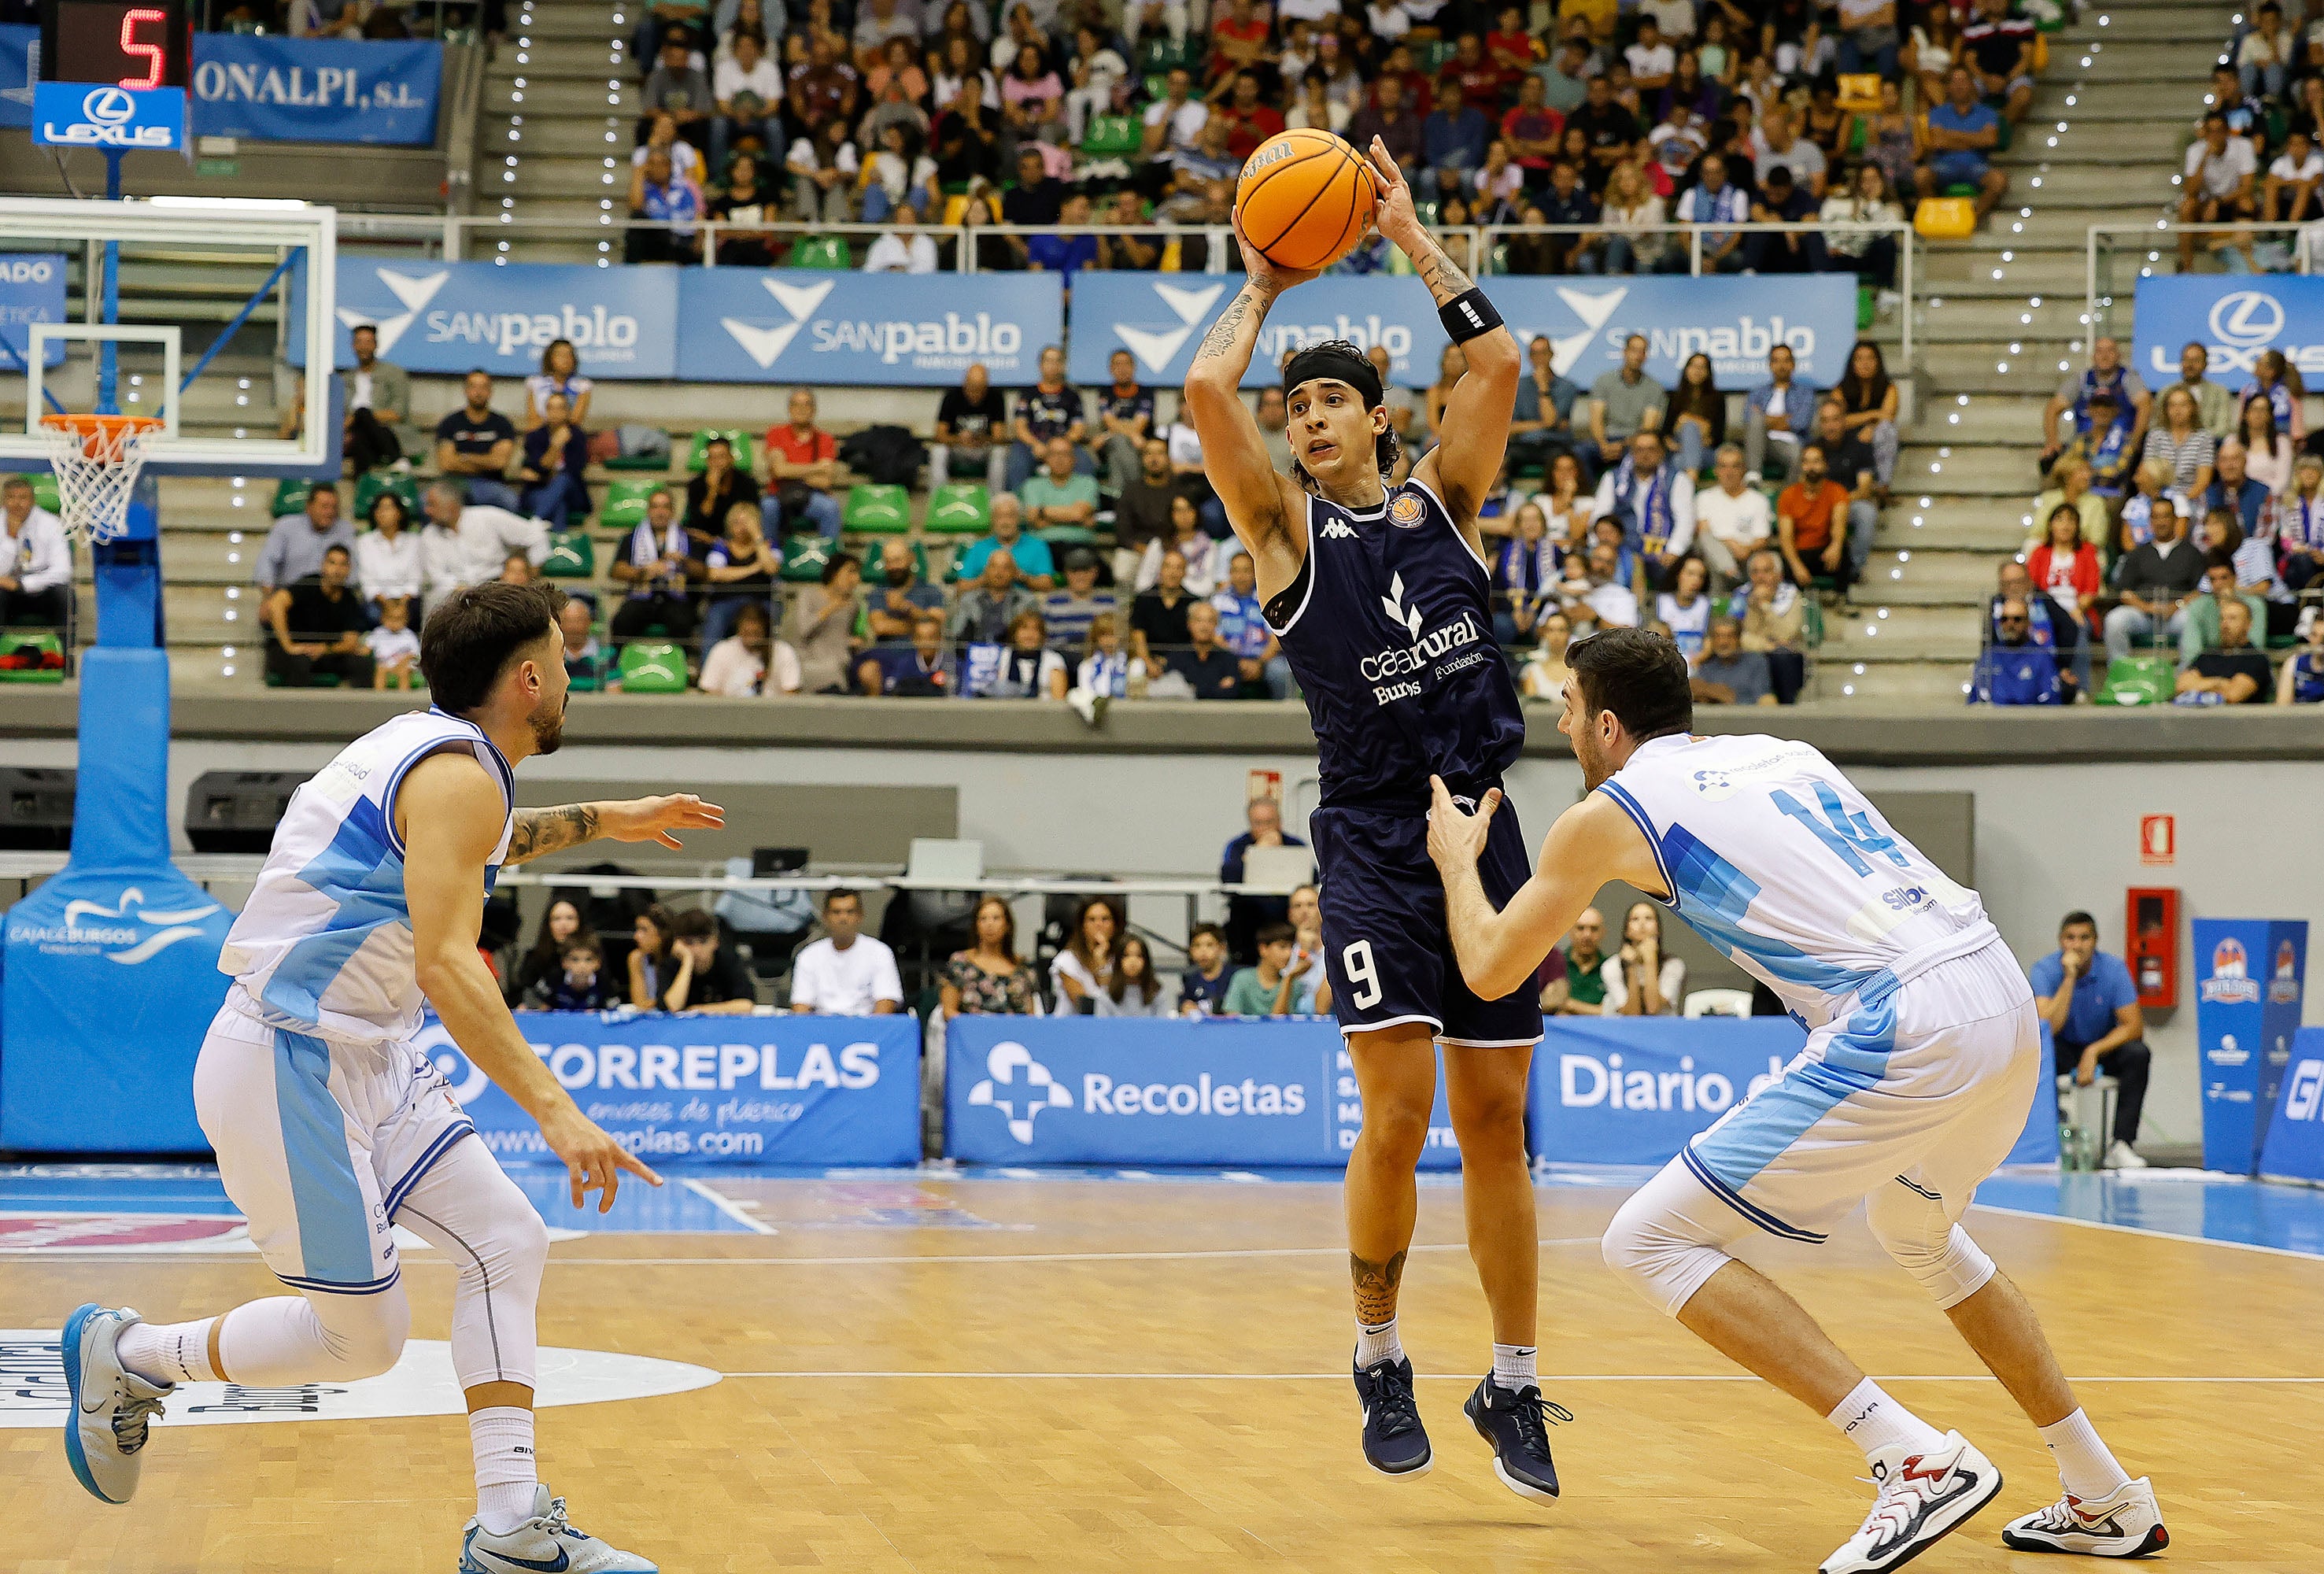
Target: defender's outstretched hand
{"type": "Point", "coordinates": [1456, 838]}
{"type": "Point", "coordinates": [658, 819]}
{"type": "Point", "coordinates": [1398, 219]}
{"type": "Point", "coordinates": [1265, 276]}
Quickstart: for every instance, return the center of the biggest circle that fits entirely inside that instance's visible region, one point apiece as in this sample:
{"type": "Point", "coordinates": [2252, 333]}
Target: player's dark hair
{"type": "Point", "coordinates": [584, 945]}
{"type": "Point", "coordinates": [1640, 676]}
{"type": "Point", "coordinates": [2077, 916]}
{"type": "Point", "coordinates": [1277, 934]}
{"type": "Point", "coordinates": [473, 634]}
{"type": "Point", "coordinates": [695, 923]}
{"type": "Point", "coordinates": [842, 894]}
{"type": "Point", "coordinates": [1214, 931]}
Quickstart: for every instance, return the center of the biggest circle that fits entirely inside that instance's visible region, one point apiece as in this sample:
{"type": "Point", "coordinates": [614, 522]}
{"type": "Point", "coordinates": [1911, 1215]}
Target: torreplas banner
{"type": "Point", "coordinates": [786, 1089]}
{"type": "Point", "coordinates": [315, 90]}
{"type": "Point", "coordinates": [452, 318]}
{"type": "Point", "coordinates": [1215, 1090]}
{"type": "Point", "coordinates": [1161, 319]}
{"type": "Point", "coordinates": [2233, 317]}
{"type": "Point", "coordinates": [796, 324]}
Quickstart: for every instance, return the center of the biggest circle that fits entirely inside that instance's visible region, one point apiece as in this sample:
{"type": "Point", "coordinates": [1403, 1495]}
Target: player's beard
{"type": "Point", "coordinates": [547, 725]}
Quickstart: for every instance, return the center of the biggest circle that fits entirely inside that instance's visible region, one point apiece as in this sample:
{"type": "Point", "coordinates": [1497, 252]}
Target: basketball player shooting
{"type": "Point", "coordinates": [1380, 598]}
{"type": "Point", "coordinates": [1924, 1056]}
{"type": "Point", "coordinates": [331, 1129]}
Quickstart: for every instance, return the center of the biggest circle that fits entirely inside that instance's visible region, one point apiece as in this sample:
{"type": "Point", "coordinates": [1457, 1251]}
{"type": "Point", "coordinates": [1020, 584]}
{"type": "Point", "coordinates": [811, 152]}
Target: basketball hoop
{"type": "Point", "coordinates": [96, 459]}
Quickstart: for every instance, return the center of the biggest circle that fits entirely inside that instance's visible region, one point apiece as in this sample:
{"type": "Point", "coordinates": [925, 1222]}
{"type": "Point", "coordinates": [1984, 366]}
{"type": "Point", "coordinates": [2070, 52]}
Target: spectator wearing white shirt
{"type": "Point", "coordinates": [749, 91]}
{"type": "Point", "coordinates": [2219, 175]}
{"type": "Point", "coordinates": [847, 974]}
{"type": "Point", "coordinates": [295, 546]}
{"type": "Point", "coordinates": [486, 535]}
{"type": "Point", "coordinates": [2290, 195]}
{"type": "Point", "coordinates": [1651, 60]}
{"type": "Point", "coordinates": [395, 646]}
{"type": "Point", "coordinates": [36, 561]}
{"type": "Point", "coordinates": [1200, 550]}
{"type": "Point", "coordinates": [1732, 520]}
{"type": "Point", "coordinates": [1593, 594]}
{"type": "Point", "coordinates": [389, 561]}
{"type": "Point", "coordinates": [1642, 979]}
{"type": "Point", "coordinates": [685, 159]}
{"type": "Point", "coordinates": [1084, 968]}
{"type": "Point", "coordinates": [903, 249]}
{"type": "Point", "coordinates": [751, 662]}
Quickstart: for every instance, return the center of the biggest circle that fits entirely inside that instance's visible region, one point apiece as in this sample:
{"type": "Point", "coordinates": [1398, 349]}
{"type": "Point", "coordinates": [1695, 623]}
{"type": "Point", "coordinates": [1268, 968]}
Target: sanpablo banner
{"type": "Point", "coordinates": [449, 318]}
{"type": "Point", "coordinates": [783, 324]}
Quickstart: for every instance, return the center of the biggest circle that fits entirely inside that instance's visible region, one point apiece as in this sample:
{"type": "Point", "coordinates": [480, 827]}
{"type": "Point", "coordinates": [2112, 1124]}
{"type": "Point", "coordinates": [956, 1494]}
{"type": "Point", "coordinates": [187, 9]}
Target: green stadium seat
{"type": "Point", "coordinates": [1112, 137]}
{"type": "Point", "coordinates": [960, 508]}
{"type": "Point", "coordinates": [831, 252]}
{"type": "Point", "coordinates": [1961, 189]}
{"type": "Point", "coordinates": [1426, 209]}
{"type": "Point", "coordinates": [657, 463]}
{"type": "Point", "coordinates": [571, 555]}
{"type": "Point", "coordinates": [32, 655]}
{"type": "Point", "coordinates": [314, 679]}
{"type": "Point", "coordinates": [370, 484]}
{"type": "Point", "coordinates": [878, 510]}
{"type": "Point", "coordinates": [1157, 85]}
{"type": "Point", "coordinates": [625, 503]}
{"type": "Point", "coordinates": [745, 455]}
{"type": "Point", "coordinates": [44, 492]}
{"type": "Point", "coordinates": [2139, 680]}
{"type": "Point", "coordinates": [290, 496]}
{"type": "Point", "coordinates": [804, 557]}
{"type": "Point", "coordinates": [652, 667]}
{"type": "Point", "coordinates": [1430, 56]}
{"type": "Point", "coordinates": [1060, 536]}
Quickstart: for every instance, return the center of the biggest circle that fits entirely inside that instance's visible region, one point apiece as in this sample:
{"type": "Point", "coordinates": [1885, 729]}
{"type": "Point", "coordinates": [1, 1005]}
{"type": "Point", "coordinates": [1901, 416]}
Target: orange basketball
{"type": "Point", "coordinates": [1305, 198]}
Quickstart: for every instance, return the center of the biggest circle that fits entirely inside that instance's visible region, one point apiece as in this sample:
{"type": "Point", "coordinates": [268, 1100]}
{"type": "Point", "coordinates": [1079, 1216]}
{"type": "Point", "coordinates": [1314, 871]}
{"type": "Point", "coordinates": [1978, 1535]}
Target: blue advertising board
{"type": "Point", "coordinates": [20, 66]}
{"type": "Point", "coordinates": [316, 90]}
{"type": "Point", "coordinates": [110, 119]}
{"type": "Point", "coordinates": [2294, 1145]}
{"type": "Point", "coordinates": [1218, 1090]}
{"type": "Point", "coordinates": [2233, 317]}
{"type": "Point", "coordinates": [781, 1089]}
{"type": "Point", "coordinates": [449, 318]}
{"type": "Point", "coordinates": [32, 289]}
{"type": "Point", "coordinates": [1161, 317]}
{"type": "Point", "coordinates": [784, 325]}
{"type": "Point", "coordinates": [2250, 972]}
{"type": "Point", "coordinates": [1632, 1089]}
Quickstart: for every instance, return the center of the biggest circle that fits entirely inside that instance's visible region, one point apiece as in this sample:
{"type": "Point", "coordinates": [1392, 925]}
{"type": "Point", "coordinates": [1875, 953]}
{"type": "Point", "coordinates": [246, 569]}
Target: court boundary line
{"type": "Point", "coordinates": [1224, 1253]}
{"type": "Point", "coordinates": [2241, 1246]}
{"type": "Point", "coordinates": [727, 1206]}
{"type": "Point", "coordinates": [1553, 1379]}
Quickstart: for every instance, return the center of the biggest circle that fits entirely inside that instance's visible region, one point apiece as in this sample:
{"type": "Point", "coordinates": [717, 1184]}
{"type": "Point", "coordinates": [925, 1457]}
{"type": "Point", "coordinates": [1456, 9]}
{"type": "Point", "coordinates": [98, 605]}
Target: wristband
{"type": "Point", "coordinates": [1468, 316]}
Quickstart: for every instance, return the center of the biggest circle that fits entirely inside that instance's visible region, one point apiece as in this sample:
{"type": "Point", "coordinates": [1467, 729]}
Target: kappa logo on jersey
{"type": "Point", "coordinates": [1000, 1090]}
{"type": "Point", "coordinates": [2231, 983]}
{"type": "Point", "coordinates": [1406, 512]}
{"type": "Point", "coordinates": [1338, 531]}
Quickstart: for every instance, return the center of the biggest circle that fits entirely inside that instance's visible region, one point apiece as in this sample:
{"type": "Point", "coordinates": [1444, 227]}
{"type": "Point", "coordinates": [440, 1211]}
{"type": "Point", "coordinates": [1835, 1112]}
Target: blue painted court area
{"type": "Point", "coordinates": [2187, 1204]}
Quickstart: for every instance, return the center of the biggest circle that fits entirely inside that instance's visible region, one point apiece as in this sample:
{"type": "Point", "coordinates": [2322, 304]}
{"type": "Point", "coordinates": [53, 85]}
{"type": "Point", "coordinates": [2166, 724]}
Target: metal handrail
{"type": "Point", "coordinates": [2303, 258]}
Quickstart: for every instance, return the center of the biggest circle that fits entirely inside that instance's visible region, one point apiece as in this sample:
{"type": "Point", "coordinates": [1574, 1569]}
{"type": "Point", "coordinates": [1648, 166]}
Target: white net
{"type": "Point", "coordinates": [96, 459]}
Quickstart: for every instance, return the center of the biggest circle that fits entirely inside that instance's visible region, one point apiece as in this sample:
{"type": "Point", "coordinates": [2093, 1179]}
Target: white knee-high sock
{"type": "Point", "coordinates": [1872, 1421]}
{"type": "Point", "coordinates": [506, 1470]}
{"type": "Point", "coordinates": [2085, 1465]}
{"type": "Point", "coordinates": [173, 1352]}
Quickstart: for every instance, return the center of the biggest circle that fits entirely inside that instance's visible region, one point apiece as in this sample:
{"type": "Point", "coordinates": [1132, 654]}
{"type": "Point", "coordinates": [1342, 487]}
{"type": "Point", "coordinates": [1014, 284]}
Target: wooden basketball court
{"type": "Point", "coordinates": [942, 1374]}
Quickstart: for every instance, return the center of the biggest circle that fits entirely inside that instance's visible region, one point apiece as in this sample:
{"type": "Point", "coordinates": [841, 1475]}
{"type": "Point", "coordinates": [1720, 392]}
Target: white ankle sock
{"type": "Point", "coordinates": [2084, 1464]}
{"type": "Point", "coordinates": [1513, 1367]}
{"type": "Point", "coordinates": [1872, 1421]}
{"type": "Point", "coordinates": [175, 1352]}
{"type": "Point", "coordinates": [506, 1470]}
{"type": "Point", "coordinates": [1377, 1342]}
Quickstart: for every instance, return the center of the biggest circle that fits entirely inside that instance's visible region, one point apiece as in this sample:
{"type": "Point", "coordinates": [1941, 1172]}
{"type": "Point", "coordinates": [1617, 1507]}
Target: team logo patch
{"type": "Point", "coordinates": [1406, 511]}
{"type": "Point", "coordinates": [2230, 982]}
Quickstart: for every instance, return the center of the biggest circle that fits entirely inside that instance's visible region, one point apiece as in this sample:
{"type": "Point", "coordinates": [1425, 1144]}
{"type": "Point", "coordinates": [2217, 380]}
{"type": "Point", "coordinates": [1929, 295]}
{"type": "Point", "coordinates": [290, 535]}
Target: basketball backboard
{"type": "Point", "coordinates": [203, 285]}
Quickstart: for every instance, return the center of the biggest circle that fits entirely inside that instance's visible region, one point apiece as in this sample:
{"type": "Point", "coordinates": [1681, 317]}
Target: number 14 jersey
{"type": "Point", "coordinates": [1775, 859]}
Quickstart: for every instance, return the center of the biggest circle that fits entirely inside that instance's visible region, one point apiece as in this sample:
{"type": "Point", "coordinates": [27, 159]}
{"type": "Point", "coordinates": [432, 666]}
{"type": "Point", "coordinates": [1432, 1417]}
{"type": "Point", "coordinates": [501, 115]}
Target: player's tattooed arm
{"type": "Point", "coordinates": [1247, 311]}
{"type": "Point", "coordinates": [1445, 277]}
{"type": "Point", "coordinates": [1376, 1286]}
{"type": "Point", "coordinates": [541, 832]}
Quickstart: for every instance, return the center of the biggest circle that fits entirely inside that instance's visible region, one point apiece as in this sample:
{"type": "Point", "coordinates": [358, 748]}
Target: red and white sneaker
{"type": "Point", "coordinates": [2126, 1523]}
{"type": "Point", "coordinates": [1924, 1497]}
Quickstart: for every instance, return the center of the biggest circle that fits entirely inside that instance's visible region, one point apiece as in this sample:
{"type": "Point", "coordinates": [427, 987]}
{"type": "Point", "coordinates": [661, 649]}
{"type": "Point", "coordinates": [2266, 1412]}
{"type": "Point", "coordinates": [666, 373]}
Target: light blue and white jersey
{"type": "Point", "coordinates": [324, 946]}
{"type": "Point", "coordinates": [1774, 857]}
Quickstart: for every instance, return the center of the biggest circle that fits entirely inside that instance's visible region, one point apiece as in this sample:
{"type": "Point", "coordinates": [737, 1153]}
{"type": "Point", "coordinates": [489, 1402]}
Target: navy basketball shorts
{"type": "Point", "coordinates": [1385, 950]}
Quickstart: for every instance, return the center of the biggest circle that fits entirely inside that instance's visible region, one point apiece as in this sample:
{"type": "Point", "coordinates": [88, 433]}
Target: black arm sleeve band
{"type": "Point", "coordinates": [1468, 316]}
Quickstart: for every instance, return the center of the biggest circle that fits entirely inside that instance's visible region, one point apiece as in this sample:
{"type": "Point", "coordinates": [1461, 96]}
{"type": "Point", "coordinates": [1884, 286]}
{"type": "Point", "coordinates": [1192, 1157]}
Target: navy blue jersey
{"type": "Point", "coordinates": [1389, 629]}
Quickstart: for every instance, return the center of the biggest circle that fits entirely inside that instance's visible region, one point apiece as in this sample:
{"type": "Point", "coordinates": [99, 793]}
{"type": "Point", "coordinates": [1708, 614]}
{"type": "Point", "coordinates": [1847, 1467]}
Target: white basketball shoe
{"type": "Point", "coordinates": [112, 1406]}
{"type": "Point", "coordinates": [544, 1544]}
{"type": "Point", "coordinates": [2127, 1523]}
{"type": "Point", "coordinates": [1924, 1498]}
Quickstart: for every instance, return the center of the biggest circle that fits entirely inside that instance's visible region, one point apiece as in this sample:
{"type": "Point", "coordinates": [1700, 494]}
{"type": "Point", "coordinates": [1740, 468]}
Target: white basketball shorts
{"type": "Point", "coordinates": [319, 1142]}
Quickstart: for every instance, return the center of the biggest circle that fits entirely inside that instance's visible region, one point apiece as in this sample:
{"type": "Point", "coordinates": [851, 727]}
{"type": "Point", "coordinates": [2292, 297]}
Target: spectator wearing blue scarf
{"type": "Point", "coordinates": [2232, 487]}
{"type": "Point", "coordinates": [1528, 572]}
{"type": "Point", "coordinates": [2106, 446]}
{"type": "Point", "coordinates": [1653, 501]}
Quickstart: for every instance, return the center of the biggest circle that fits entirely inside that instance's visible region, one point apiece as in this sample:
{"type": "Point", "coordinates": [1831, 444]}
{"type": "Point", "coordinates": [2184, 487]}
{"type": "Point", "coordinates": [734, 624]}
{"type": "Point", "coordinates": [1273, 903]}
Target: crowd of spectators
{"type": "Point", "coordinates": [2254, 156]}
{"type": "Point", "coordinates": [2186, 522]}
{"type": "Point", "coordinates": [1615, 121]}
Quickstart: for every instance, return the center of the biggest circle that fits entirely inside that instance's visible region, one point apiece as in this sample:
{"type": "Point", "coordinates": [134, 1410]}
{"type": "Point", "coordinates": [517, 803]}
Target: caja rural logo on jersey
{"type": "Point", "coordinates": [1395, 672]}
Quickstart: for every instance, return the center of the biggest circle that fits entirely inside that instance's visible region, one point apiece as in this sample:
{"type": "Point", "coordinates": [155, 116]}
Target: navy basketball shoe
{"type": "Point", "coordinates": [1517, 1423]}
{"type": "Point", "coordinates": [1394, 1442]}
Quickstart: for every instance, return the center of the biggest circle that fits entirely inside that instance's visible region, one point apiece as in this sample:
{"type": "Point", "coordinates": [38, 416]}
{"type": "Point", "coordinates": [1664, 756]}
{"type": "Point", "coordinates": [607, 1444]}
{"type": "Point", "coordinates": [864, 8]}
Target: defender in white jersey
{"type": "Point", "coordinates": [1923, 1059]}
{"type": "Point", "coordinates": [331, 1129]}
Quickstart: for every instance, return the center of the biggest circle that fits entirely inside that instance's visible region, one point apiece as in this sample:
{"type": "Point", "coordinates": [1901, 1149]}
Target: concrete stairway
{"type": "Point", "coordinates": [560, 118]}
{"type": "Point", "coordinates": [2002, 318]}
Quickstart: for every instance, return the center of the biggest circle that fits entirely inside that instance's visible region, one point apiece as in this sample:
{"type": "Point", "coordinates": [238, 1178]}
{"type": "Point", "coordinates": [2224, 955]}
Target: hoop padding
{"type": "Point", "coordinates": [96, 459]}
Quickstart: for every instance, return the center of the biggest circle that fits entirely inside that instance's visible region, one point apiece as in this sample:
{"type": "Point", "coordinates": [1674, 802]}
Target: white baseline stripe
{"type": "Point", "coordinates": [1554, 1378]}
{"type": "Point", "coordinates": [729, 1207]}
{"type": "Point", "coordinates": [869, 1261]}
{"type": "Point", "coordinates": [2240, 1246]}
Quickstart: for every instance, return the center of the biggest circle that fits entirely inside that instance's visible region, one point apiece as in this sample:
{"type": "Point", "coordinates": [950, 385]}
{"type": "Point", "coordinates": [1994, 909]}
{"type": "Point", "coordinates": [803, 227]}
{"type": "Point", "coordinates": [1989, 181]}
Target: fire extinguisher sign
{"type": "Point", "coordinates": [2158, 839]}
